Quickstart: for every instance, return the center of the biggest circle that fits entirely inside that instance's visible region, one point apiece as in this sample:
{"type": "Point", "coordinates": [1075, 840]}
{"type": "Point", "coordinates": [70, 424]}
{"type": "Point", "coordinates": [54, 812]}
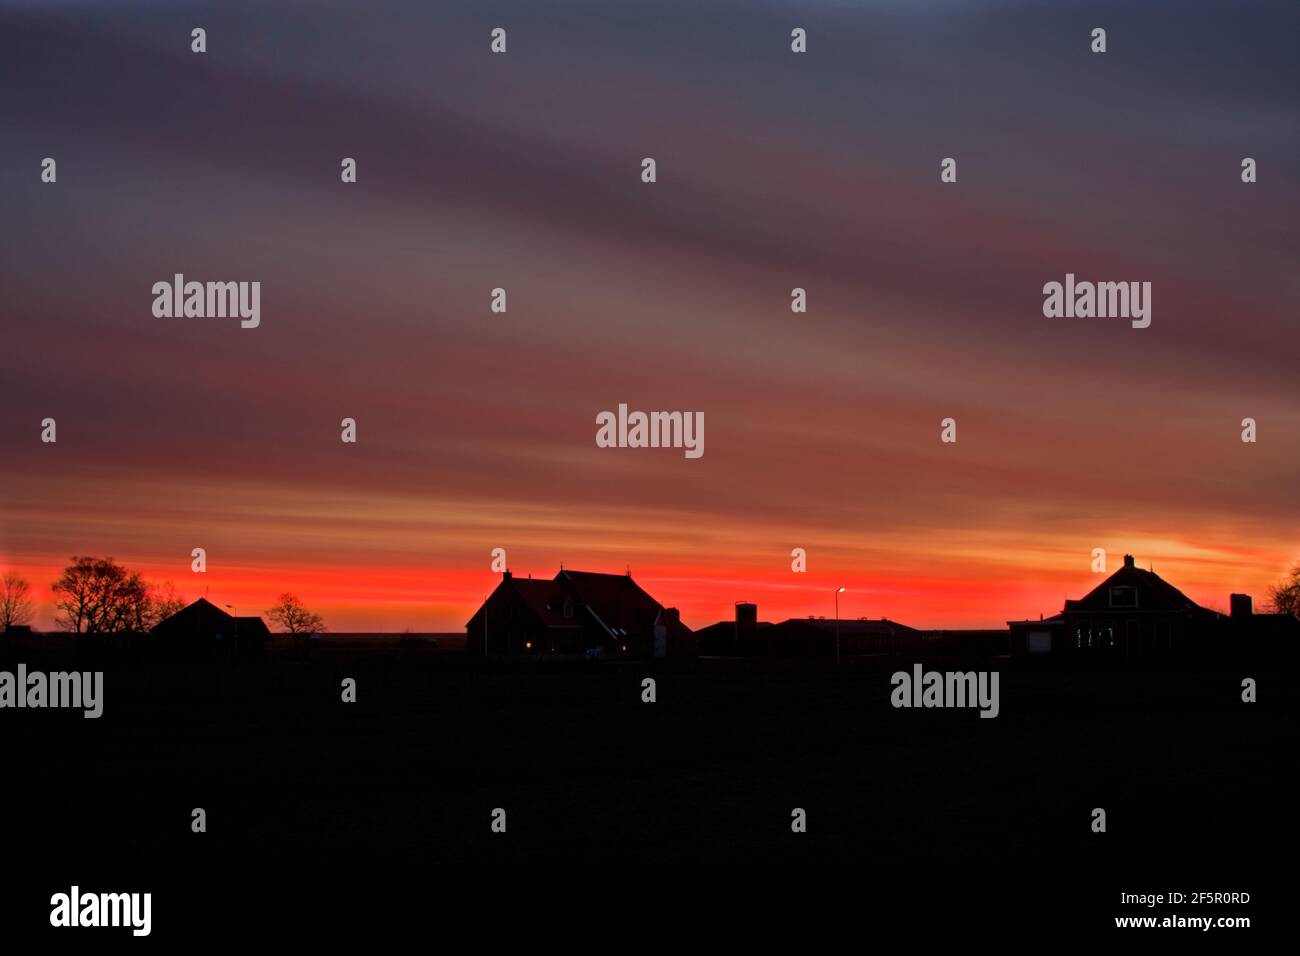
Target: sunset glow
{"type": "Point", "coordinates": [476, 430]}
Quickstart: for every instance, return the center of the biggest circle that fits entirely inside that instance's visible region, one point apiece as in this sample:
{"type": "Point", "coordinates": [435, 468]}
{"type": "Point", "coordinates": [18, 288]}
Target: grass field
{"type": "Point", "coordinates": [298, 784]}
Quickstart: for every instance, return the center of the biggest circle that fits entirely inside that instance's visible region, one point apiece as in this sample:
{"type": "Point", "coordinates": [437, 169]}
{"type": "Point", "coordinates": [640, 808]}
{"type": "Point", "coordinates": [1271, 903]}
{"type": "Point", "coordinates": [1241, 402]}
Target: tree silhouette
{"type": "Point", "coordinates": [165, 602]}
{"type": "Point", "coordinates": [292, 615]}
{"type": "Point", "coordinates": [16, 605]}
{"type": "Point", "coordinates": [1286, 594]}
{"type": "Point", "coordinates": [101, 596]}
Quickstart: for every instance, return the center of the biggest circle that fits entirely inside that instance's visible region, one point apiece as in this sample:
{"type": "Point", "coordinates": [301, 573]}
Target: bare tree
{"type": "Point", "coordinates": [100, 596]}
{"type": "Point", "coordinates": [164, 602]}
{"type": "Point", "coordinates": [1285, 595]}
{"type": "Point", "coordinates": [292, 615]}
{"type": "Point", "coordinates": [16, 605]}
{"type": "Point", "coordinates": [86, 592]}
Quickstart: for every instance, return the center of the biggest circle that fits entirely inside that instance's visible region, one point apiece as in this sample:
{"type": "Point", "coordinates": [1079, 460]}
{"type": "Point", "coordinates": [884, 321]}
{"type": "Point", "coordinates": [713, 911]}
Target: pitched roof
{"type": "Point", "coordinates": [202, 616]}
{"type": "Point", "coordinates": [1154, 592]}
{"type": "Point", "coordinates": [543, 598]}
{"type": "Point", "coordinates": [198, 613]}
{"type": "Point", "coordinates": [616, 600]}
{"type": "Point", "coordinates": [620, 605]}
{"type": "Point", "coordinates": [204, 605]}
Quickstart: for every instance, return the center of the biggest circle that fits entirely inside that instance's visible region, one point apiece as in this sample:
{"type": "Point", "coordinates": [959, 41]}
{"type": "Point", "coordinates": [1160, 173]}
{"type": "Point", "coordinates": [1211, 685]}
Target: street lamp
{"type": "Point", "coordinates": [837, 624]}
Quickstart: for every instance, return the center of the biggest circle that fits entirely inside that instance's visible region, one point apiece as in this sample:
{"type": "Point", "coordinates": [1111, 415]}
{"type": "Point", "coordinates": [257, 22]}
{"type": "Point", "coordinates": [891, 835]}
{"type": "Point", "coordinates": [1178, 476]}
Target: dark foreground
{"type": "Point", "coordinates": [370, 816]}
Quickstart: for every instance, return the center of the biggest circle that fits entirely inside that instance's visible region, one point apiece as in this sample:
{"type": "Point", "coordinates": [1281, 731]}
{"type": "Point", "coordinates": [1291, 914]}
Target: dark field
{"type": "Point", "coordinates": [684, 803]}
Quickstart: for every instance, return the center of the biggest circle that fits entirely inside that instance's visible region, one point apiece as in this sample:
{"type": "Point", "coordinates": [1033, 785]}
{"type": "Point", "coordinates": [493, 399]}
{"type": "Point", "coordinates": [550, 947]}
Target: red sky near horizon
{"type": "Point", "coordinates": [476, 430]}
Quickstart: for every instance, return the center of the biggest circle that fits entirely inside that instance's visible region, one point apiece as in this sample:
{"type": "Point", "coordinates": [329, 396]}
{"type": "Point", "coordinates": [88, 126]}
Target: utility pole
{"type": "Point", "coordinates": [837, 625]}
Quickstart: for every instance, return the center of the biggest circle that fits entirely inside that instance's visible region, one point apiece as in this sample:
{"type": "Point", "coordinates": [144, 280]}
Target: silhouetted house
{"type": "Point", "coordinates": [746, 636]}
{"type": "Point", "coordinates": [577, 614]}
{"type": "Point", "coordinates": [726, 638]}
{"type": "Point", "coordinates": [816, 637]}
{"type": "Point", "coordinates": [203, 631]}
{"type": "Point", "coordinates": [964, 642]}
{"type": "Point", "coordinates": [1262, 635]}
{"type": "Point", "coordinates": [1133, 613]}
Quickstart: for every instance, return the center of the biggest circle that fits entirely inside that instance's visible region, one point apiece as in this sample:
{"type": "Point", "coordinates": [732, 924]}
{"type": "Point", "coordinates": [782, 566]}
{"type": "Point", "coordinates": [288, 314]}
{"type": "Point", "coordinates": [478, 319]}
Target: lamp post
{"type": "Point", "coordinates": [837, 624]}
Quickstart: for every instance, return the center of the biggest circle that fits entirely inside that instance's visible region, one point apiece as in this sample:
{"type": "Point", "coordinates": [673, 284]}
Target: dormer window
{"type": "Point", "coordinates": [1123, 595]}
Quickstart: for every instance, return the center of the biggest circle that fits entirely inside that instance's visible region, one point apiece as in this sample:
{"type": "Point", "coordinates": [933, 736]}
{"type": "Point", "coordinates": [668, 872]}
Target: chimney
{"type": "Point", "coordinates": [1241, 605]}
{"type": "Point", "coordinates": [1128, 561]}
{"type": "Point", "coordinates": [746, 620]}
{"type": "Point", "coordinates": [505, 575]}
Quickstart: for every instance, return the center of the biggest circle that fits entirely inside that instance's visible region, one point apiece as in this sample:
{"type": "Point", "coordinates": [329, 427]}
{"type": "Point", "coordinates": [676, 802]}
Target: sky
{"type": "Point", "coordinates": [775, 170]}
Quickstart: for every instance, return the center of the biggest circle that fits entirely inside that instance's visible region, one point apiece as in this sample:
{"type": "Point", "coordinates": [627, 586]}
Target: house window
{"type": "Point", "coordinates": [568, 608]}
{"type": "Point", "coordinates": [1123, 595]}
